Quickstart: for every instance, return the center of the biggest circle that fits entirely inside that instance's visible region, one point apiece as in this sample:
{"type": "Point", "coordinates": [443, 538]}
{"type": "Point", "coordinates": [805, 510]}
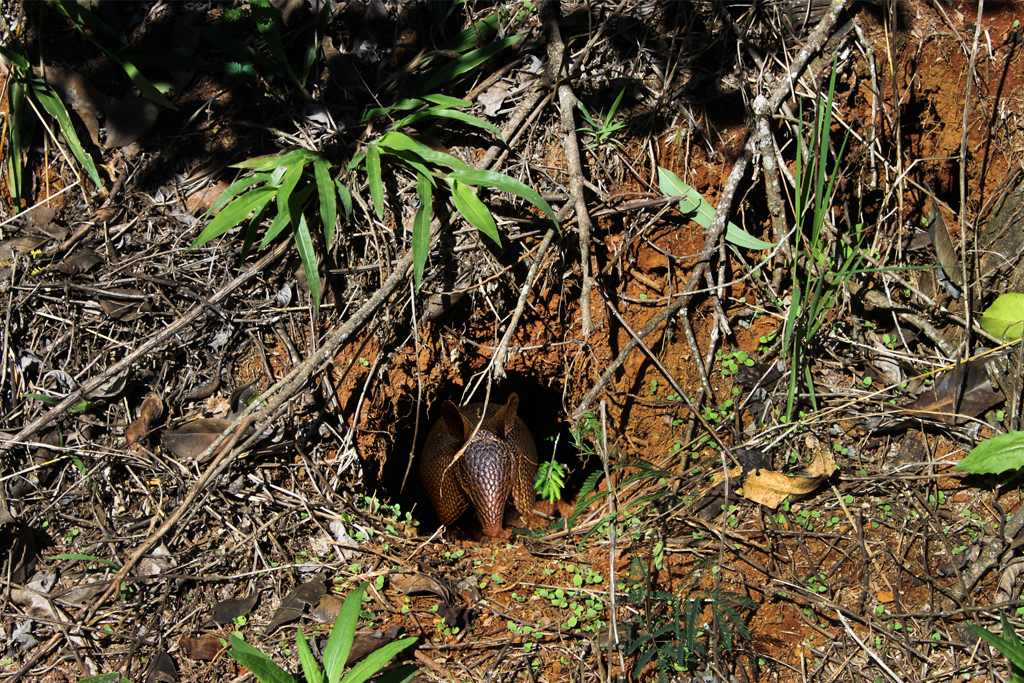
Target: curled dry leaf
{"type": "Point", "coordinates": [82, 262]}
{"type": "Point", "coordinates": [295, 602]}
{"type": "Point", "coordinates": [149, 413]}
{"type": "Point", "coordinates": [771, 488]}
{"type": "Point", "coordinates": [190, 440]}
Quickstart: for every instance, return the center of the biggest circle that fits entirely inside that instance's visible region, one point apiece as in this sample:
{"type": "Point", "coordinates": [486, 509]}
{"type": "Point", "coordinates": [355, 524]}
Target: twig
{"type": "Point", "coordinates": [567, 102]}
{"type": "Point", "coordinates": [498, 359]}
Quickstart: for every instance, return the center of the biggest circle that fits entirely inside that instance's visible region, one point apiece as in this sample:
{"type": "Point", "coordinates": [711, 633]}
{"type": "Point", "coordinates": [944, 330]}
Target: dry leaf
{"type": "Point", "coordinates": [129, 120]}
{"type": "Point", "coordinates": [150, 411]}
{"type": "Point", "coordinates": [945, 252]}
{"type": "Point", "coordinates": [226, 611]}
{"type": "Point", "coordinates": [191, 439]}
{"type": "Point", "coordinates": [771, 488]}
{"type": "Point", "coordinates": [82, 262]}
{"type": "Point", "coordinates": [127, 305]}
{"type": "Point", "coordinates": [962, 393]}
{"type": "Point", "coordinates": [493, 98]}
{"type": "Point", "coordinates": [294, 603]}
{"type": "Point", "coordinates": [205, 647]}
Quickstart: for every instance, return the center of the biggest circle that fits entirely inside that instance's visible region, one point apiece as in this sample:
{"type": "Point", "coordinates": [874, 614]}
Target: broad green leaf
{"type": "Point", "coordinates": [346, 198]}
{"type": "Point", "coordinates": [1005, 317]}
{"type": "Point", "coordinates": [464, 64]}
{"type": "Point", "coordinates": [234, 213]}
{"type": "Point", "coordinates": [328, 200]}
{"type": "Point", "coordinates": [112, 677]}
{"type": "Point", "coordinates": [17, 60]}
{"type": "Point", "coordinates": [1007, 648]}
{"type": "Point", "coordinates": [376, 180]}
{"type": "Point", "coordinates": [339, 644]}
{"type": "Point", "coordinates": [377, 660]}
{"type": "Point", "coordinates": [470, 206]}
{"type": "Point", "coordinates": [304, 243]}
{"type": "Point", "coordinates": [265, 670]}
{"type": "Point", "coordinates": [421, 228]}
{"type": "Point", "coordinates": [84, 558]}
{"type": "Point", "coordinates": [995, 455]}
{"type": "Point", "coordinates": [504, 183]}
{"type": "Point", "coordinates": [394, 142]}
{"type": "Point", "coordinates": [700, 210]}
{"type": "Point", "coordinates": [310, 667]}
{"type": "Point", "coordinates": [52, 104]}
{"type": "Point", "coordinates": [20, 124]}
{"type": "Point", "coordinates": [234, 188]}
{"type": "Point", "coordinates": [402, 674]}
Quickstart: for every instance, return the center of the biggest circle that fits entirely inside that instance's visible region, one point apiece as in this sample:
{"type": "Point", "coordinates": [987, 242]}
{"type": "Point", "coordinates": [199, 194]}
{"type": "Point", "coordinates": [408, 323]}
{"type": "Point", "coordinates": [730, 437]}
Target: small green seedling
{"type": "Point", "coordinates": [336, 653]}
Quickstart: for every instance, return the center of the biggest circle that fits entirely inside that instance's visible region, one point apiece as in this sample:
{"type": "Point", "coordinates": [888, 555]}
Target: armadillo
{"type": "Point", "coordinates": [499, 462]}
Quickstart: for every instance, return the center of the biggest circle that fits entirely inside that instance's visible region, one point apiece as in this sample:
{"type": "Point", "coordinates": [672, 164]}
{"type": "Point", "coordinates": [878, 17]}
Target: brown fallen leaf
{"type": "Point", "coordinates": [191, 439]}
{"type": "Point", "coordinates": [205, 647]}
{"type": "Point", "coordinates": [21, 245]}
{"type": "Point", "coordinates": [226, 611]}
{"type": "Point", "coordinates": [771, 488]}
{"type": "Point", "coordinates": [204, 198]}
{"type": "Point", "coordinates": [293, 604]}
{"type": "Point", "coordinates": [127, 305]}
{"type": "Point", "coordinates": [82, 262]}
{"type": "Point", "coordinates": [945, 252]}
{"type": "Point", "coordinates": [960, 394]}
{"type": "Point", "coordinates": [128, 120]}
{"type": "Point", "coordinates": [162, 669]}
{"type": "Point", "coordinates": [149, 413]}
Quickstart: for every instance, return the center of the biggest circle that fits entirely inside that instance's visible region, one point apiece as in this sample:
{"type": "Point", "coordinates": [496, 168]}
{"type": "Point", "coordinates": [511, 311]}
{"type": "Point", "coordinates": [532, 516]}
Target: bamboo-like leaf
{"type": "Point", "coordinates": [269, 162]}
{"type": "Point", "coordinates": [395, 142]}
{"type": "Point", "coordinates": [470, 206]}
{"type": "Point", "coordinates": [402, 105]}
{"type": "Point", "coordinates": [421, 229]}
{"type": "Point", "coordinates": [346, 198]}
{"type": "Point", "coordinates": [700, 210]}
{"type": "Point", "coordinates": [504, 183]}
{"type": "Point", "coordinates": [375, 178]}
{"type": "Point", "coordinates": [339, 644]}
{"type": "Point", "coordinates": [304, 243]}
{"type": "Point", "coordinates": [250, 234]}
{"type": "Point", "coordinates": [454, 114]}
{"type": "Point", "coordinates": [287, 213]}
{"type": "Point", "coordinates": [447, 101]}
{"type": "Point", "coordinates": [234, 188]}
{"type": "Point", "coordinates": [55, 108]}
{"type": "Point", "coordinates": [234, 213]}
{"type": "Point", "coordinates": [310, 667]}
{"type": "Point", "coordinates": [328, 200]}
{"type": "Point", "coordinates": [477, 34]}
{"type": "Point", "coordinates": [376, 661]}
{"type": "Point", "coordinates": [464, 64]}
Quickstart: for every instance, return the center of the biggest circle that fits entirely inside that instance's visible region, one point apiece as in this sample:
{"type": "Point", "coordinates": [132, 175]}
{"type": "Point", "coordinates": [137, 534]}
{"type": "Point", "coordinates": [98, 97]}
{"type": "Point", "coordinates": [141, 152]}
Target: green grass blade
{"type": "Point", "coordinates": [477, 34]}
{"type": "Point", "coordinates": [395, 143]}
{"type": "Point", "coordinates": [474, 210]}
{"type": "Point", "coordinates": [234, 213]}
{"type": "Point", "coordinates": [19, 124]}
{"type": "Point", "coordinates": [1015, 655]}
{"type": "Point", "coordinates": [504, 183]}
{"type": "Point", "coordinates": [421, 229]}
{"type": "Point", "coordinates": [250, 234]}
{"type": "Point", "coordinates": [403, 105]}
{"type": "Point", "coordinates": [339, 644]}
{"type": "Point", "coordinates": [464, 64]}
{"type": "Point", "coordinates": [311, 668]}
{"type": "Point", "coordinates": [55, 108]}
{"type": "Point", "coordinates": [17, 60]}
{"type": "Point", "coordinates": [269, 162]}
{"type": "Point", "coordinates": [148, 90]}
{"type": "Point", "coordinates": [304, 243]}
{"type": "Point", "coordinates": [375, 178]}
{"type": "Point", "coordinates": [328, 200]}
{"type": "Point", "coordinates": [84, 558]}
{"type": "Point", "coordinates": [377, 660]}
{"type": "Point", "coordinates": [447, 101]}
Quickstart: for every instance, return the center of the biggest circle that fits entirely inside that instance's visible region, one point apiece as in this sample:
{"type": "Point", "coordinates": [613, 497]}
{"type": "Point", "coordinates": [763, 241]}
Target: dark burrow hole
{"type": "Point", "coordinates": [540, 408]}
